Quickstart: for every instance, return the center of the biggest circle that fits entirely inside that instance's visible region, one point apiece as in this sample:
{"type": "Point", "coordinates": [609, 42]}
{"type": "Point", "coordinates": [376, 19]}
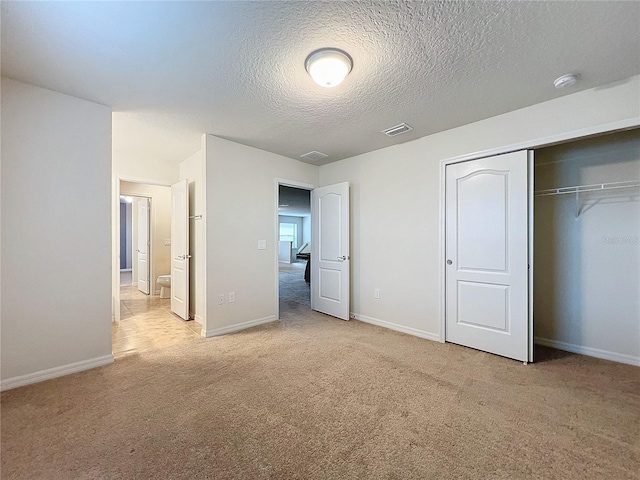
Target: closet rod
{"type": "Point", "coordinates": [588, 188]}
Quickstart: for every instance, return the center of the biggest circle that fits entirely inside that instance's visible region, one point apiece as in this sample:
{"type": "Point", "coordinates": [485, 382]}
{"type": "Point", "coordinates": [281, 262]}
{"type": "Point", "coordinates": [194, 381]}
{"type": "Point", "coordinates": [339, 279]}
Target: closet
{"type": "Point", "coordinates": [586, 275]}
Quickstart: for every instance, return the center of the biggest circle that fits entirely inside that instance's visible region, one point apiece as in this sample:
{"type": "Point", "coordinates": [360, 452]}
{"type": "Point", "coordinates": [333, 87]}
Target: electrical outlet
{"type": "Point", "coordinates": [232, 297]}
{"type": "Point", "coordinates": [262, 244]}
{"type": "Point", "coordinates": [221, 299]}
{"type": "Point", "coordinates": [376, 293]}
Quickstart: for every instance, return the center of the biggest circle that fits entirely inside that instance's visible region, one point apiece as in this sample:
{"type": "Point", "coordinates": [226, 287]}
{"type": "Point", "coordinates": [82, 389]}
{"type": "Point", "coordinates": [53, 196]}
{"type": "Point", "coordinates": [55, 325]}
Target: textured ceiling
{"type": "Point", "coordinates": [236, 69]}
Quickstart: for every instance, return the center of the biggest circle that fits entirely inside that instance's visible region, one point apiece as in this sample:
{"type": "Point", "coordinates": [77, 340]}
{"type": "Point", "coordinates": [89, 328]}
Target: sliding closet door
{"type": "Point", "coordinates": [487, 245]}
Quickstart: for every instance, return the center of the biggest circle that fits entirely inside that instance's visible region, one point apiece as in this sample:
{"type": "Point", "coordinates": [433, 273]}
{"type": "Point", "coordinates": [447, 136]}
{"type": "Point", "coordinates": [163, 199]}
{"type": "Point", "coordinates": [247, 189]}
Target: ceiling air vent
{"type": "Point", "coordinates": [314, 156]}
{"type": "Point", "coordinates": [397, 130]}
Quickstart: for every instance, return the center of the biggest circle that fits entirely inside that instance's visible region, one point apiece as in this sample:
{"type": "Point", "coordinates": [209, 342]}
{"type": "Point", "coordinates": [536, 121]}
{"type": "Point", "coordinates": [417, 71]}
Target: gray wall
{"type": "Point", "coordinates": [125, 235]}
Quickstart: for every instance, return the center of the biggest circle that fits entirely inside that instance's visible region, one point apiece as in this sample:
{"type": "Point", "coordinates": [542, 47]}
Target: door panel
{"type": "Point", "coordinates": [483, 305]}
{"type": "Point", "coordinates": [180, 249]}
{"type": "Point", "coordinates": [142, 249]}
{"type": "Point", "coordinates": [487, 255]}
{"type": "Point", "coordinates": [330, 284]}
{"type": "Point", "coordinates": [330, 250]}
{"type": "Point", "coordinates": [482, 225]}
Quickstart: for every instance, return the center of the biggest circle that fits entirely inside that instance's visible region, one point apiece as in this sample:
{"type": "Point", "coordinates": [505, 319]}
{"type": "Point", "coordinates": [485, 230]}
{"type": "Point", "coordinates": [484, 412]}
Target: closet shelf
{"type": "Point", "coordinates": [588, 188]}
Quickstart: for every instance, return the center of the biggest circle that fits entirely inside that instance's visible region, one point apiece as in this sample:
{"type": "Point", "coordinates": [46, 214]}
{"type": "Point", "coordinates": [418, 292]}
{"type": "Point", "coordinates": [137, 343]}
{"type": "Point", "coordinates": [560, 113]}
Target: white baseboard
{"type": "Point", "coordinates": [198, 319]}
{"type": "Point", "coordinates": [55, 372]}
{"type": "Point", "coordinates": [592, 352]}
{"type": "Point", "coordinates": [398, 328]}
{"type": "Point", "coordinates": [240, 326]}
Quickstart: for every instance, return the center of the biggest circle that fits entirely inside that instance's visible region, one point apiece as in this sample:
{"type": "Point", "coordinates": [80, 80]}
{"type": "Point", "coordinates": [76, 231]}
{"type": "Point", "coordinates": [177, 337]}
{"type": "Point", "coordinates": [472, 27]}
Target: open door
{"type": "Point", "coordinates": [180, 249]}
{"type": "Point", "coordinates": [330, 250]}
{"type": "Point", "coordinates": [487, 245]}
{"type": "Point", "coordinates": [142, 249]}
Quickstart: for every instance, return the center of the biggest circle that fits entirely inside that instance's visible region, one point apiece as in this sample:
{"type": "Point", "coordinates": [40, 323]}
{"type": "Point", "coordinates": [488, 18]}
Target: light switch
{"type": "Point", "coordinates": [262, 244]}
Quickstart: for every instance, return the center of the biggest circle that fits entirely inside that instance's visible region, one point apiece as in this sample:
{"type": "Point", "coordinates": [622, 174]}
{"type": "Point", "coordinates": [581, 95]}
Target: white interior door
{"type": "Point", "coordinates": [180, 249]}
{"type": "Point", "coordinates": [142, 249]}
{"type": "Point", "coordinates": [330, 250]}
{"type": "Point", "coordinates": [487, 255]}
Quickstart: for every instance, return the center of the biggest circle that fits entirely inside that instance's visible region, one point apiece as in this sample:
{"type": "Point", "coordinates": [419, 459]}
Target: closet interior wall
{"type": "Point", "coordinates": [587, 248]}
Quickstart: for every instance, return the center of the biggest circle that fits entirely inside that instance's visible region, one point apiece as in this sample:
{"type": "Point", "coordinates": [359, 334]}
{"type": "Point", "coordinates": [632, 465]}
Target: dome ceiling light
{"type": "Point", "coordinates": [328, 66]}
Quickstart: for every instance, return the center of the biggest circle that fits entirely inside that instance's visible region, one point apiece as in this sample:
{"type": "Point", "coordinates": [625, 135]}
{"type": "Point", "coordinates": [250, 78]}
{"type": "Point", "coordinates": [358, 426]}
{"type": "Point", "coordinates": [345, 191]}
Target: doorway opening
{"type": "Point", "coordinates": [135, 246]}
{"type": "Point", "coordinates": [145, 321]}
{"type": "Point", "coordinates": [294, 250]}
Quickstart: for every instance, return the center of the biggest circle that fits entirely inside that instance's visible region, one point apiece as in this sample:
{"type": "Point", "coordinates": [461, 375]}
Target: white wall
{"type": "Point", "coordinates": [160, 227]}
{"type": "Point", "coordinates": [241, 201]}
{"type": "Point", "coordinates": [139, 167]}
{"type": "Point", "coordinates": [306, 229]}
{"type": "Point", "coordinates": [56, 274]}
{"type": "Point", "coordinates": [193, 169]}
{"type": "Point", "coordinates": [587, 269]}
{"type": "Point", "coordinates": [395, 200]}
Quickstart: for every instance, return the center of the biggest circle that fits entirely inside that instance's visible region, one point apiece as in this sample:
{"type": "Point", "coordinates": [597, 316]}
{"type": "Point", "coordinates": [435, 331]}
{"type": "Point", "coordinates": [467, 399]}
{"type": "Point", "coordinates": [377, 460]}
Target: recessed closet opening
{"type": "Point", "coordinates": [586, 267]}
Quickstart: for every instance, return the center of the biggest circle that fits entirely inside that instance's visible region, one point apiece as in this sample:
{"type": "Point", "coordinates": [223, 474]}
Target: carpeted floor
{"type": "Point", "coordinates": [312, 397]}
{"type": "Point", "coordinates": [295, 293]}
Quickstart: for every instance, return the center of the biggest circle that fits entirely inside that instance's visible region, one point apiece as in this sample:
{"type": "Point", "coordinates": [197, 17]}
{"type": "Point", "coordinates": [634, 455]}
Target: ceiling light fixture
{"type": "Point", "coordinates": [328, 66]}
{"type": "Point", "coordinates": [565, 80]}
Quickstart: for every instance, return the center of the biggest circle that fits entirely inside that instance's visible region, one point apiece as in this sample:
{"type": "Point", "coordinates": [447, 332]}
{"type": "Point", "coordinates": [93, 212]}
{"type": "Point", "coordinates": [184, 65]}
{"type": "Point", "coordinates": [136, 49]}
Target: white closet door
{"type": "Point", "coordinates": [487, 255]}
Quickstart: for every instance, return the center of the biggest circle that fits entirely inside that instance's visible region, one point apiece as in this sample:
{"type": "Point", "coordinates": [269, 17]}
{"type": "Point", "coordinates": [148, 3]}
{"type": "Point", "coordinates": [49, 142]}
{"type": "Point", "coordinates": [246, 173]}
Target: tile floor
{"type": "Point", "coordinates": [146, 323]}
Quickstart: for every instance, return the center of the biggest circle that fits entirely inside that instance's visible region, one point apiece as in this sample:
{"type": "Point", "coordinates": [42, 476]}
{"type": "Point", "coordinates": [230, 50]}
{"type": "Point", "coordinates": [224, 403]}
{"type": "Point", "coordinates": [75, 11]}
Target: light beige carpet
{"type": "Point", "coordinates": [313, 397]}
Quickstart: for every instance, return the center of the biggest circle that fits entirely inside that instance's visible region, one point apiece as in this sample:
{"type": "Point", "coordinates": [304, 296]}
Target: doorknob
{"type": "Point", "coordinates": [343, 258]}
{"type": "Point", "coordinates": [449, 262]}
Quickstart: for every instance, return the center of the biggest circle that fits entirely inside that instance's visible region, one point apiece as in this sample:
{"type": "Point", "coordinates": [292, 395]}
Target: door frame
{"type": "Point", "coordinates": [532, 144]}
{"type": "Point", "coordinates": [285, 183]}
{"type": "Point", "coordinates": [115, 237]}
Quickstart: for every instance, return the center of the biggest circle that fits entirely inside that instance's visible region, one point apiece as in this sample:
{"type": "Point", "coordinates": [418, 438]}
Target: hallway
{"type": "Point", "coordinates": [146, 323]}
{"type": "Point", "coordinates": [295, 293]}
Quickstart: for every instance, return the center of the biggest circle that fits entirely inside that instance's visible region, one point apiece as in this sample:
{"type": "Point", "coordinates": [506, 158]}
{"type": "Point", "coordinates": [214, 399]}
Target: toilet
{"type": "Point", "coordinates": [165, 286]}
